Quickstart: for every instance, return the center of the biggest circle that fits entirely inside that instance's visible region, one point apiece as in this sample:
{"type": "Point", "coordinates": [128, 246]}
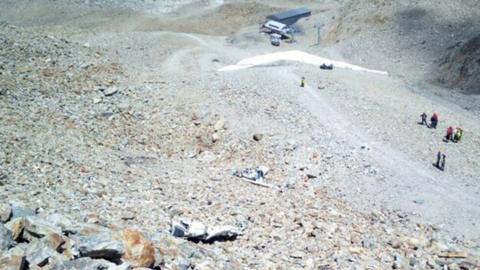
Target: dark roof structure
{"type": "Point", "coordinates": [291, 16]}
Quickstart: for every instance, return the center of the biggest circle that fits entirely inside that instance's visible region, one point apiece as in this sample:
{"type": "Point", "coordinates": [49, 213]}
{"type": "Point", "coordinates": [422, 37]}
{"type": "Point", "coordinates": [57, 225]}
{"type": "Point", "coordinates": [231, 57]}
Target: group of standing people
{"type": "Point", "coordinates": [454, 135]}
{"type": "Point", "coordinates": [433, 120]}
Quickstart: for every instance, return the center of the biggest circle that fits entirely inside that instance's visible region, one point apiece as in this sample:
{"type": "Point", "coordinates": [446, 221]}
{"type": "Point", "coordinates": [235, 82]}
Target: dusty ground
{"type": "Point", "coordinates": [351, 168]}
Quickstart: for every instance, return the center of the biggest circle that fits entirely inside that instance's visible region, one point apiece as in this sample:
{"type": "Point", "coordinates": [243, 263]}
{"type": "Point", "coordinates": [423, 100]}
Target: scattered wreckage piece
{"type": "Point", "coordinates": [255, 176]}
{"type": "Point", "coordinates": [326, 67]}
{"type": "Point", "coordinates": [196, 231]}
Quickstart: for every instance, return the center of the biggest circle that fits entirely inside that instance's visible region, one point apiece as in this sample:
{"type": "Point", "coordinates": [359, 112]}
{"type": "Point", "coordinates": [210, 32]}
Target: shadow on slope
{"type": "Point", "coordinates": [449, 45]}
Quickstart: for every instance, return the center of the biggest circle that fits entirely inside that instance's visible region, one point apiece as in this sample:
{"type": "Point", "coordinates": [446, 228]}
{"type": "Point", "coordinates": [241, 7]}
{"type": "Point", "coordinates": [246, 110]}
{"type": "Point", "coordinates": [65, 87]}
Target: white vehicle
{"type": "Point", "coordinates": [278, 28]}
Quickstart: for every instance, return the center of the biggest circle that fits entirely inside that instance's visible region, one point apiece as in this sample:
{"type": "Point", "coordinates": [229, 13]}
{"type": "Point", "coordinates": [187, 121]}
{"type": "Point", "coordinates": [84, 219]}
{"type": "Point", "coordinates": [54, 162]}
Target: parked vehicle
{"type": "Point", "coordinates": [275, 39]}
{"type": "Point", "coordinates": [274, 27]}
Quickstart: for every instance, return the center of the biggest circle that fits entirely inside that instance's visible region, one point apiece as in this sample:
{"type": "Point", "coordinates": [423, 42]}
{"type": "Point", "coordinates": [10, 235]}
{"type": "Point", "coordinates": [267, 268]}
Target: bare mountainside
{"type": "Point", "coordinates": [172, 135]}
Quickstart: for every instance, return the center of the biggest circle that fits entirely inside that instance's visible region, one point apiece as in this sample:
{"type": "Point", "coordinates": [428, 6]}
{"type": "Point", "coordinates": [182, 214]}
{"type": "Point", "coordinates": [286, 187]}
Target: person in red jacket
{"type": "Point", "coordinates": [434, 120]}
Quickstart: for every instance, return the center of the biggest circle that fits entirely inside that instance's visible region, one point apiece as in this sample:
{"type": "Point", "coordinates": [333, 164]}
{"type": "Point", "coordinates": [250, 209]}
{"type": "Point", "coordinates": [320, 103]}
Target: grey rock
{"type": "Point", "coordinates": [88, 263]}
{"type": "Point", "coordinates": [5, 212]}
{"type": "Point", "coordinates": [100, 246]}
{"type": "Point", "coordinates": [110, 91]}
{"type": "Point", "coordinates": [369, 243]}
{"type": "Point", "coordinates": [6, 238]}
{"type": "Point", "coordinates": [419, 201]}
{"type": "Point", "coordinates": [38, 253]}
{"type": "Point", "coordinates": [22, 212]}
{"type": "Point", "coordinates": [31, 227]}
{"type": "Point", "coordinates": [59, 221]}
{"type": "Point", "coordinates": [219, 125]}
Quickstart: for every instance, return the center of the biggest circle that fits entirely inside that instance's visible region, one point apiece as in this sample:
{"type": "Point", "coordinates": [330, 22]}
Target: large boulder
{"type": "Point", "coordinates": [6, 238]}
{"type": "Point", "coordinates": [38, 253]}
{"type": "Point", "coordinates": [100, 246]}
{"type": "Point", "coordinates": [31, 227]}
{"type": "Point", "coordinates": [88, 263]}
{"type": "Point", "coordinates": [138, 251]}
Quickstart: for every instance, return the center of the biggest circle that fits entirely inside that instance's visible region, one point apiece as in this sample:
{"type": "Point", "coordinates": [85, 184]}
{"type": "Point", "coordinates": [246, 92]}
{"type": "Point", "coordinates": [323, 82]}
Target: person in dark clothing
{"type": "Point", "coordinates": [442, 164]}
{"type": "Point", "coordinates": [424, 119]}
{"type": "Point", "coordinates": [302, 82]}
{"type": "Point", "coordinates": [439, 158]}
{"type": "Point", "coordinates": [434, 120]}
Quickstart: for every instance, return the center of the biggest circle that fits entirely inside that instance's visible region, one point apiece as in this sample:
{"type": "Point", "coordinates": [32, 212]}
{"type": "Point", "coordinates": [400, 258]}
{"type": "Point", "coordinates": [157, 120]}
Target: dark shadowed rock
{"type": "Point", "coordinates": [88, 263]}
{"type": "Point", "coordinates": [257, 137]}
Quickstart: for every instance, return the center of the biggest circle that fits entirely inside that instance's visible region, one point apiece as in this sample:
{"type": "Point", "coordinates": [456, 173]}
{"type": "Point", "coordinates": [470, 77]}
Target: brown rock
{"type": "Point", "coordinates": [13, 263]}
{"type": "Point", "coordinates": [139, 252]}
{"type": "Point", "coordinates": [55, 241]}
{"type": "Point", "coordinates": [16, 227]}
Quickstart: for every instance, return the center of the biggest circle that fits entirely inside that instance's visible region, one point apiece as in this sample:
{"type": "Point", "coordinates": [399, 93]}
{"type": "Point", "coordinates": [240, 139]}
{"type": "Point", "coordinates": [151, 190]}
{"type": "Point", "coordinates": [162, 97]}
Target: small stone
{"type": "Point", "coordinates": [110, 91]}
{"type": "Point", "coordinates": [453, 254]}
{"type": "Point", "coordinates": [413, 261]}
{"type": "Point", "coordinates": [97, 100]}
{"type": "Point", "coordinates": [356, 250]}
{"type": "Point", "coordinates": [419, 201]}
{"type": "Point", "coordinates": [368, 243]}
{"type": "Point", "coordinates": [297, 255]}
{"type": "Point", "coordinates": [138, 251]}
{"type": "Point", "coordinates": [219, 125]}
{"type": "Point", "coordinates": [215, 137]}
{"type": "Point", "coordinates": [257, 137]}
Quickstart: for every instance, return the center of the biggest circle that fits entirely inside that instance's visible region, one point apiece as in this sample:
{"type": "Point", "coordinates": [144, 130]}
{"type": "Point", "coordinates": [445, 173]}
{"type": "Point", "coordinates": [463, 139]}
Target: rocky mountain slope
{"type": "Point", "coordinates": [120, 138]}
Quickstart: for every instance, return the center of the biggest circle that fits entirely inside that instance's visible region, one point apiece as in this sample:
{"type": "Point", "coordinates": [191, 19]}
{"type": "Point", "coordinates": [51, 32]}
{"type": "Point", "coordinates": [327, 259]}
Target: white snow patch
{"type": "Point", "coordinates": [298, 56]}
